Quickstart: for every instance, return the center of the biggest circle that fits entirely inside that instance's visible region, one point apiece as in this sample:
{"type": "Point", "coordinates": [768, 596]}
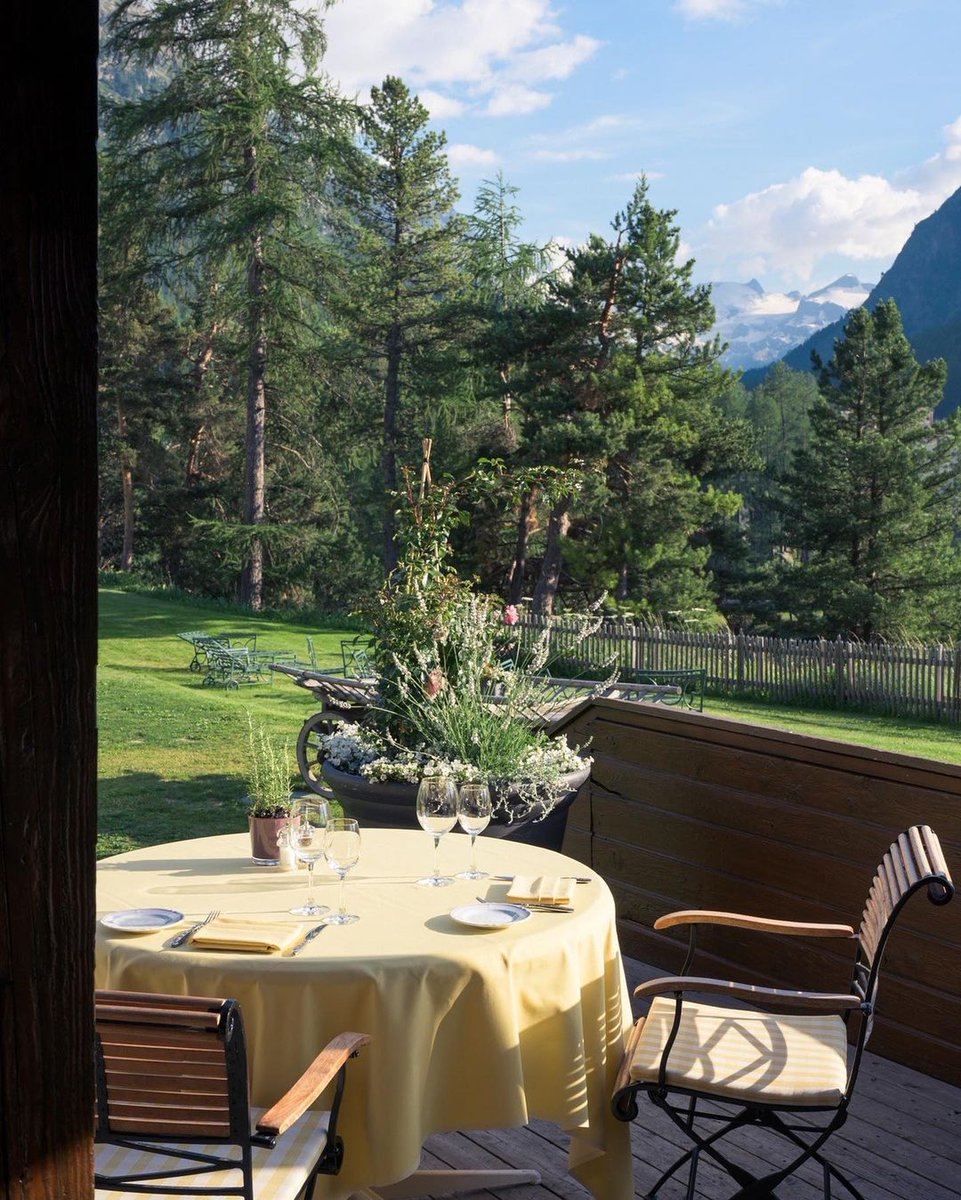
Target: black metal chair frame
{"type": "Point", "coordinates": [913, 862]}
{"type": "Point", "coordinates": [228, 1029]}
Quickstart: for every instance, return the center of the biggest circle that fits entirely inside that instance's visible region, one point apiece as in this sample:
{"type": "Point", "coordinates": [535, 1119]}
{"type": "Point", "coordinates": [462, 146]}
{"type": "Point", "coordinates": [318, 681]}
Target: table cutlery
{"type": "Point", "coordinates": [533, 905]}
{"type": "Point", "coordinates": [510, 878]}
{"type": "Point", "coordinates": [308, 937]}
{"type": "Point", "coordinates": [189, 933]}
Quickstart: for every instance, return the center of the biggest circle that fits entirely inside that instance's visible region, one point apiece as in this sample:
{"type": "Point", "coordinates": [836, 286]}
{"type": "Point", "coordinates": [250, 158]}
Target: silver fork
{"type": "Point", "coordinates": [189, 933]}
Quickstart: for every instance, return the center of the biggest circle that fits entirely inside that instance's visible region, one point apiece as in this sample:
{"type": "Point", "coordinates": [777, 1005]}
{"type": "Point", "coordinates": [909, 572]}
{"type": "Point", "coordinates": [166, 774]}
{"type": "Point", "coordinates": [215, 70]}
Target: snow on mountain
{"type": "Point", "coordinates": [761, 326]}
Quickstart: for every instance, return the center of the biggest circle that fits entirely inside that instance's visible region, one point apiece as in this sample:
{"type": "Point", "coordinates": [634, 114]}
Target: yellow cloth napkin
{"type": "Point", "coordinates": [249, 935]}
{"type": "Point", "coordinates": [542, 889]}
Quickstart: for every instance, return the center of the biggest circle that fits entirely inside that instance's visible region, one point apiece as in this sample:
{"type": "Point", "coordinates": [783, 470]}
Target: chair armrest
{"type": "Point", "coordinates": [695, 916]}
{"type": "Point", "coordinates": [319, 1075]}
{"type": "Point", "coordinates": [822, 1001]}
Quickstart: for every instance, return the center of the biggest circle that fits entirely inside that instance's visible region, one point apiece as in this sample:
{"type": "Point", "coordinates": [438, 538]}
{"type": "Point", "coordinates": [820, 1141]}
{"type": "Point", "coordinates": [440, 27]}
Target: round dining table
{"type": "Point", "coordinates": [471, 1027]}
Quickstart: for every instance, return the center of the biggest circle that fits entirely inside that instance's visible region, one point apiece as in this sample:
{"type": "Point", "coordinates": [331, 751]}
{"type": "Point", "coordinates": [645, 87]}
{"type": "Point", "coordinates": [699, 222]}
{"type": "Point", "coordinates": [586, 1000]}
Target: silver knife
{"type": "Point", "coordinates": [308, 937]}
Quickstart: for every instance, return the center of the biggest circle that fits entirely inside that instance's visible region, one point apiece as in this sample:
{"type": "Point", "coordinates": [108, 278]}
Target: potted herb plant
{"type": "Point", "coordinates": [268, 792]}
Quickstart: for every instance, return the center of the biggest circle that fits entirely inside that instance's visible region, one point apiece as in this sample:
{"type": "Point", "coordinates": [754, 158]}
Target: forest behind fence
{"type": "Point", "coordinates": [899, 679]}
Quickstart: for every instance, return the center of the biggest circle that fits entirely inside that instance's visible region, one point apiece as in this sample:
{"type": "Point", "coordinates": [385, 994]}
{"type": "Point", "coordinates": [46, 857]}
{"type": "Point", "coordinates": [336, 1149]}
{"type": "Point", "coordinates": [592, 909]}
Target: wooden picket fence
{"type": "Point", "coordinates": [902, 680]}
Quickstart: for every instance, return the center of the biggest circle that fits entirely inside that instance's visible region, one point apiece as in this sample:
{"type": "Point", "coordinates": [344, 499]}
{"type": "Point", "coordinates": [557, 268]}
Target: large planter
{"type": "Point", "coordinates": [394, 806]}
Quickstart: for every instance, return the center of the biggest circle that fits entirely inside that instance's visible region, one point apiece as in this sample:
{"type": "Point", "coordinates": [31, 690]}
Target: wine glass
{"type": "Point", "coordinates": [437, 813]}
{"type": "Point", "coordinates": [341, 850]}
{"type": "Point", "coordinates": [474, 814]}
{"type": "Point", "coordinates": [308, 822]}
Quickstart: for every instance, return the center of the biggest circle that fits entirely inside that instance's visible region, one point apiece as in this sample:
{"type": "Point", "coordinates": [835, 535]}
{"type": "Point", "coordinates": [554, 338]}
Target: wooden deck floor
{"type": "Point", "coordinates": [902, 1141]}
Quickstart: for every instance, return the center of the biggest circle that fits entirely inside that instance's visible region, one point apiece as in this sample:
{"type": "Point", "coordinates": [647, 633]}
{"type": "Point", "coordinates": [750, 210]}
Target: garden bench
{"type": "Point", "coordinates": [690, 683]}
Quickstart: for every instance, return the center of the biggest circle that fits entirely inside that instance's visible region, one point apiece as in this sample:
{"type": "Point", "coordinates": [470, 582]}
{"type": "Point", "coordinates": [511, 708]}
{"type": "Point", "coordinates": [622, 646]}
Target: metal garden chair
{"type": "Point", "coordinates": [173, 1116]}
{"type": "Point", "coordinates": [731, 1067]}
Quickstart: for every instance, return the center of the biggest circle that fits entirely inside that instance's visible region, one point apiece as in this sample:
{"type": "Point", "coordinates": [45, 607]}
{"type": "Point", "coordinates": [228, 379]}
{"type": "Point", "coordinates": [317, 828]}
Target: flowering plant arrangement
{"type": "Point", "coordinates": [450, 703]}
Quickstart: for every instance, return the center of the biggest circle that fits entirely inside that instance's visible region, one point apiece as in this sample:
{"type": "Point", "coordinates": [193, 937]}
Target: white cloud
{"type": "Point", "coordinates": [790, 229]}
{"type": "Point", "coordinates": [719, 10]}
{"type": "Point", "coordinates": [440, 106]}
{"type": "Point", "coordinates": [514, 100]}
{"type": "Point", "coordinates": [491, 50]}
{"type": "Point", "coordinates": [634, 176]}
{"type": "Point", "coordinates": [575, 155]}
{"type": "Point", "coordinates": [462, 154]}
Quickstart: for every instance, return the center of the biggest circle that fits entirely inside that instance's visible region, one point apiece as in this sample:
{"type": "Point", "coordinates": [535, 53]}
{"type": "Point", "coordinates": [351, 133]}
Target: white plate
{"type": "Point", "coordinates": [141, 920]}
{"type": "Point", "coordinates": [489, 916]}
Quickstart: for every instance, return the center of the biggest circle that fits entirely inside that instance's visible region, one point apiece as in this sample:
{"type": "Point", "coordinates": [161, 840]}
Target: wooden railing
{"type": "Point", "coordinates": [685, 810]}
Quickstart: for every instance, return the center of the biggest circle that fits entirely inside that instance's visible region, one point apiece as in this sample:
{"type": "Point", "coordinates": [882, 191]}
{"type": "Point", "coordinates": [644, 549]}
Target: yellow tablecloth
{"type": "Point", "coordinates": [472, 1029]}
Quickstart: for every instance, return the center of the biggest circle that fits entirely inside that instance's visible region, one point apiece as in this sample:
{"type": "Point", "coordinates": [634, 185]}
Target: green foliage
{"type": "Point", "coordinates": [874, 502]}
{"type": "Point", "coordinates": [617, 382]}
{"type": "Point", "coordinates": [268, 773]}
{"type": "Point", "coordinates": [216, 174]}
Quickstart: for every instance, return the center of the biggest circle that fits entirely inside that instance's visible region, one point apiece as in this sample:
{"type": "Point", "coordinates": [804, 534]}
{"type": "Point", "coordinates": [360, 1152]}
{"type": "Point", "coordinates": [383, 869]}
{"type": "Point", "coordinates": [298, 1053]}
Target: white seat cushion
{"type": "Point", "coordinates": [279, 1174]}
{"type": "Point", "coordinates": [742, 1054]}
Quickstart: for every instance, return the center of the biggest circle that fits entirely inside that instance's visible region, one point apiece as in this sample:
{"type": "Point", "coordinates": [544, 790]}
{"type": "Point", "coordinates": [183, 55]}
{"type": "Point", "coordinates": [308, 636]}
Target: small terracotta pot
{"type": "Point", "coordinates": [264, 851]}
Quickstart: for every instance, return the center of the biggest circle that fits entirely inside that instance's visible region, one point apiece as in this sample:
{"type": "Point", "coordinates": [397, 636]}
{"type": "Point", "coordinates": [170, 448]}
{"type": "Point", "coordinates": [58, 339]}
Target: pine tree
{"type": "Point", "coordinates": [406, 249]}
{"type": "Point", "coordinates": [619, 383]}
{"type": "Point", "coordinates": [229, 155]}
{"type": "Point", "coordinates": [874, 504]}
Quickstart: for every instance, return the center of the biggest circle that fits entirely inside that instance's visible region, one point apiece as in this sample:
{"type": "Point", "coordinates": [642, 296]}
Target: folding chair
{"type": "Point", "coordinates": [173, 1116]}
{"type": "Point", "coordinates": [707, 1065]}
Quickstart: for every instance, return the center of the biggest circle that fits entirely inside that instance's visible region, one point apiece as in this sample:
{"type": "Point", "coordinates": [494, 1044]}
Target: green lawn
{"type": "Point", "coordinates": [171, 758]}
{"type": "Point", "coordinates": [172, 752]}
{"type": "Point", "coordinates": [901, 735]}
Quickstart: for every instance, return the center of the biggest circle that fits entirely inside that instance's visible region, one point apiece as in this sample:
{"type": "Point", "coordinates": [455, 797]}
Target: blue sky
{"type": "Point", "coordinates": [797, 139]}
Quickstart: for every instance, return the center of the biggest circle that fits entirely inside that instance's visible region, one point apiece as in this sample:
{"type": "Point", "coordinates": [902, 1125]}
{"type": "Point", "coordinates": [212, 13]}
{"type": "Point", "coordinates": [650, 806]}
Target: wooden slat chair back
{"type": "Point", "coordinates": [691, 1058]}
{"type": "Point", "coordinates": [172, 1111]}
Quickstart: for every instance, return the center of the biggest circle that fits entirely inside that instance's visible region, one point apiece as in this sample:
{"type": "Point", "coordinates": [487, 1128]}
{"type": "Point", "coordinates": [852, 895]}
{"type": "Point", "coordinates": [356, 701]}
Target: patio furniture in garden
{"type": "Point", "coordinates": [201, 643]}
{"type": "Point", "coordinates": [715, 1069]}
{"type": "Point", "coordinates": [173, 1109]}
{"type": "Point", "coordinates": [472, 1026]}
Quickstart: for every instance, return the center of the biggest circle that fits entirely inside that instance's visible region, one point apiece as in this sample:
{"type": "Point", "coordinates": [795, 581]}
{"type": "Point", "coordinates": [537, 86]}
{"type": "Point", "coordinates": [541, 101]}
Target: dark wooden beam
{"type": "Point", "coordinates": [48, 560]}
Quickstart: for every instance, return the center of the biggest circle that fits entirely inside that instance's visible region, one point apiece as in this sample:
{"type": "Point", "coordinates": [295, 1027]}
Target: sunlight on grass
{"type": "Point", "coordinates": [172, 752]}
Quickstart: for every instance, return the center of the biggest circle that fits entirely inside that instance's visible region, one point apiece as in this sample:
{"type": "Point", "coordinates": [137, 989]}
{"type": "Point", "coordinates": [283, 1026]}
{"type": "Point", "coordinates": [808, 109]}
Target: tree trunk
{"type": "Point", "coordinates": [526, 523]}
{"type": "Point", "coordinates": [388, 460]}
{"type": "Point", "coordinates": [622, 580]}
{"type": "Point", "coordinates": [126, 486]}
{"type": "Point", "coordinates": [550, 575]}
{"type": "Point", "coordinates": [199, 373]}
{"type": "Point", "coordinates": [252, 579]}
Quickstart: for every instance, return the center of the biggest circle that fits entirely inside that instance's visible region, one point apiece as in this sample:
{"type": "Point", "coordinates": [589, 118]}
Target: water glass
{"type": "Point", "coordinates": [341, 851]}
{"type": "Point", "coordinates": [473, 814]}
{"type": "Point", "coordinates": [437, 814]}
{"type": "Point", "coordinates": [307, 838]}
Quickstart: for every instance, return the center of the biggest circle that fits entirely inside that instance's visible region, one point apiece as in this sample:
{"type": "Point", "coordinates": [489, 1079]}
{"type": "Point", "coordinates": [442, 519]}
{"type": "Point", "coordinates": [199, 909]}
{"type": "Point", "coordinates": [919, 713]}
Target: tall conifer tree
{"type": "Point", "coordinates": [874, 503]}
{"type": "Point", "coordinates": [230, 153]}
{"type": "Point", "coordinates": [407, 252]}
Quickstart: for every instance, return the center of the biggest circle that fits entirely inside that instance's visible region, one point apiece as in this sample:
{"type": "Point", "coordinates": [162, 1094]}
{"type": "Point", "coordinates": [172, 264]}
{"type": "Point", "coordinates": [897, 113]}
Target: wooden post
{"type": "Point", "coordinates": [48, 558]}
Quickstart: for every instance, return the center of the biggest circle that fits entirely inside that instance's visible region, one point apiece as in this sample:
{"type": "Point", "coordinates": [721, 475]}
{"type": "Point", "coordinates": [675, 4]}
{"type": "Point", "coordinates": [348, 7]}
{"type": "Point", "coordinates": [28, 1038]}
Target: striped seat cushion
{"type": "Point", "coordinates": [279, 1174]}
{"type": "Point", "coordinates": [742, 1054]}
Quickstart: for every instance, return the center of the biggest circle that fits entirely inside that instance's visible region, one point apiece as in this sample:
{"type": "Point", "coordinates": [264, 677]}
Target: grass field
{"type": "Point", "coordinates": [171, 760]}
{"type": "Point", "coordinates": [171, 757]}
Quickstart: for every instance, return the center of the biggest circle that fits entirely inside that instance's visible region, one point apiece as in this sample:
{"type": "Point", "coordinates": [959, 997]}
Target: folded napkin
{"type": "Point", "coordinates": [542, 889]}
{"type": "Point", "coordinates": [249, 934]}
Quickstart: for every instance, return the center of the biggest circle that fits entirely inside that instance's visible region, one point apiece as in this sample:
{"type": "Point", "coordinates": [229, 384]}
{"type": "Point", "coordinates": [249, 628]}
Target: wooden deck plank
{"type": "Point", "coordinates": [900, 1142]}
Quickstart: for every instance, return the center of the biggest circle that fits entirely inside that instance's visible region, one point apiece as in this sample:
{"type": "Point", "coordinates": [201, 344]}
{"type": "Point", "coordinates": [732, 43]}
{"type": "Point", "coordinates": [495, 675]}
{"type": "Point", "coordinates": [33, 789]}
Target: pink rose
{"type": "Point", "coordinates": [511, 615]}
